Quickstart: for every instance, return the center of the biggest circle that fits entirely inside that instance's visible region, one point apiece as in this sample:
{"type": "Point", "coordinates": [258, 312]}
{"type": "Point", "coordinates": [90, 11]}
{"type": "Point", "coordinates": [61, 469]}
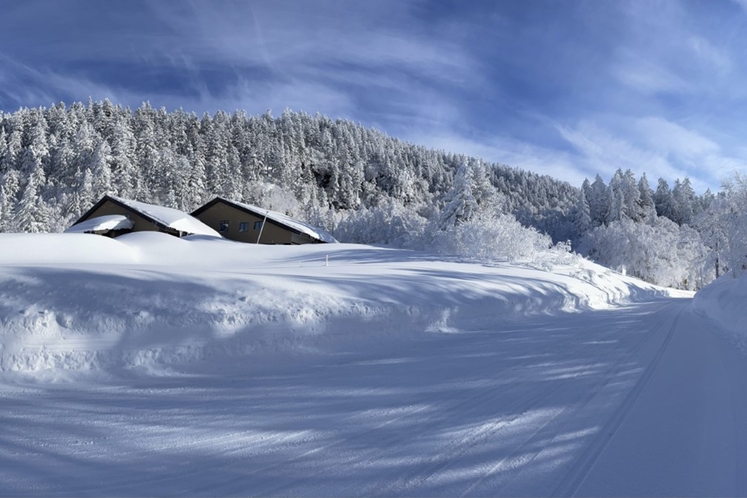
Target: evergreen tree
{"type": "Point", "coordinates": [598, 199]}
{"type": "Point", "coordinates": [663, 200]}
{"type": "Point", "coordinates": [684, 201]}
{"type": "Point", "coordinates": [101, 170]}
{"type": "Point", "coordinates": [460, 204]}
{"type": "Point", "coordinates": [646, 205]}
{"type": "Point", "coordinates": [582, 214]}
{"type": "Point", "coordinates": [10, 184]}
{"type": "Point", "coordinates": [31, 210]}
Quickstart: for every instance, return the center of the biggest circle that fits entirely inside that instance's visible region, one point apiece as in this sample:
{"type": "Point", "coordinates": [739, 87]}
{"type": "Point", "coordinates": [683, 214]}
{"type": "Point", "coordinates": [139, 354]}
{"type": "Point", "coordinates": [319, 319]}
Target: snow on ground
{"type": "Point", "coordinates": [725, 302]}
{"type": "Point", "coordinates": [85, 302]}
{"type": "Point", "coordinates": [204, 367]}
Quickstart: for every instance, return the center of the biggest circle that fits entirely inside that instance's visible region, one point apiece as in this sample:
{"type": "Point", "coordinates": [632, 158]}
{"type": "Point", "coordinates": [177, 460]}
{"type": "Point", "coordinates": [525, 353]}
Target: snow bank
{"type": "Point", "coordinates": [725, 302]}
{"type": "Point", "coordinates": [83, 302]}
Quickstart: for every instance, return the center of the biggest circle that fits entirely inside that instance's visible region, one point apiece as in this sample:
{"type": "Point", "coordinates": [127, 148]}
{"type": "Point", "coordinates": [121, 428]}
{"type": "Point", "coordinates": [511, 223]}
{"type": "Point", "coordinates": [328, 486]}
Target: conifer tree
{"type": "Point", "coordinates": [460, 204]}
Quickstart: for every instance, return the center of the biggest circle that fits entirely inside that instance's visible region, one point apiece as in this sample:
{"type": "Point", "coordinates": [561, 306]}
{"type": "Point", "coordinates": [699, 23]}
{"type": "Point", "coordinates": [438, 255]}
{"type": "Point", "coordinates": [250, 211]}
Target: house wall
{"type": "Point", "coordinates": [140, 223]}
{"type": "Point", "coordinates": [271, 234]}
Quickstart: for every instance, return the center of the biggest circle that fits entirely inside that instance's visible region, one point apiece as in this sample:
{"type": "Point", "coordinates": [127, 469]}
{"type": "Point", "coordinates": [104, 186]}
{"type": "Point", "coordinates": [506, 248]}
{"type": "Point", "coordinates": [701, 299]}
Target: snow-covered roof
{"type": "Point", "coordinates": [299, 226]}
{"type": "Point", "coordinates": [102, 224]}
{"type": "Point", "coordinates": [172, 218]}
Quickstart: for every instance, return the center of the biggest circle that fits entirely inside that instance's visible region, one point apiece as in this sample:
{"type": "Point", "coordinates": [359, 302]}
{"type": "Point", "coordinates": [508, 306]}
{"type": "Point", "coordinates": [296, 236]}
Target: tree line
{"type": "Point", "coordinates": [357, 182]}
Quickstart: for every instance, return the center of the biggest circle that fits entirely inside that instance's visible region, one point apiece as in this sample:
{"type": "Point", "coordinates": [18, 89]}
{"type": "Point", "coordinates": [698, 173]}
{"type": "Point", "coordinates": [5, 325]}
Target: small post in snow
{"type": "Point", "coordinates": [326, 260]}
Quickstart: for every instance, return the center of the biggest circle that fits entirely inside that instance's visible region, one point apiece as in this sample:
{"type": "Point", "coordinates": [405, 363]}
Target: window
{"type": "Point", "coordinates": [258, 225]}
{"type": "Point", "coordinates": [244, 226]}
{"type": "Point", "coordinates": [224, 225]}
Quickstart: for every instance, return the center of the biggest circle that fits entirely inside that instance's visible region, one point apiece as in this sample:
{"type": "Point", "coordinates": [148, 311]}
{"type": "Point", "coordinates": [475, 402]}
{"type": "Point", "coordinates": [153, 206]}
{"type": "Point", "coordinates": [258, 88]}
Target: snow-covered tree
{"type": "Point", "coordinates": [101, 170]}
{"type": "Point", "coordinates": [732, 215]}
{"type": "Point", "coordinates": [335, 172]}
{"type": "Point", "coordinates": [684, 201]}
{"type": "Point", "coordinates": [660, 252]}
{"type": "Point", "coordinates": [646, 204]}
{"type": "Point", "coordinates": [460, 204]}
{"type": "Point", "coordinates": [31, 213]}
{"type": "Point", "coordinates": [664, 201]}
{"type": "Point", "coordinates": [582, 214]}
{"type": "Point", "coordinates": [598, 200]}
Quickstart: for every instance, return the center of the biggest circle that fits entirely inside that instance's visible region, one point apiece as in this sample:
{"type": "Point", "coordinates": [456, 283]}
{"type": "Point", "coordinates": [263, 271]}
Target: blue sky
{"type": "Point", "coordinates": [568, 88]}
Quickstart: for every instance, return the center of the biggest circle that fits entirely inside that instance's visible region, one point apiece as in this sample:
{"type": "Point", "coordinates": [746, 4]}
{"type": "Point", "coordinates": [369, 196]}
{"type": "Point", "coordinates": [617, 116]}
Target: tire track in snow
{"type": "Point", "coordinates": [427, 403]}
{"type": "Point", "coordinates": [203, 469]}
{"type": "Point", "coordinates": [457, 449]}
{"type": "Point", "coordinates": [583, 465]}
{"type": "Point", "coordinates": [490, 397]}
{"type": "Point", "coordinates": [453, 450]}
{"type": "Point", "coordinates": [432, 401]}
{"type": "Point", "coordinates": [512, 464]}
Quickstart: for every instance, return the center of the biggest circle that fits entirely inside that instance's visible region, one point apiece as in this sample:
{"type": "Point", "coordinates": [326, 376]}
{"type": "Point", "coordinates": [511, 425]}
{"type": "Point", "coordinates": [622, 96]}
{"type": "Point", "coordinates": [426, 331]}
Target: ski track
{"type": "Point", "coordinates": [448, 454]}
{"type": "Point", "coordinates": [585, 462]}
{"type": "Point", "coordinates": [453, 449]}
{"type": "Point", "coordinates": [551, 405]}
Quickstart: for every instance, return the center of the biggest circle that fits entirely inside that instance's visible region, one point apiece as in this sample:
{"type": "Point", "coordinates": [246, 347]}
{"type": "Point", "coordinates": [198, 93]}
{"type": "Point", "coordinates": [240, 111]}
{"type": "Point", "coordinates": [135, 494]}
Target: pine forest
{"type": "Point", "coordinates": [364, 187]}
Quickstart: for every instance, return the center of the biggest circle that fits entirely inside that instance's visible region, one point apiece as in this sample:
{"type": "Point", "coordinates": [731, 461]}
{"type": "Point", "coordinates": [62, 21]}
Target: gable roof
{"type": "Point", "coordinates": [168, 219]}
{"type": "Point", "coordinates": [278, 219]}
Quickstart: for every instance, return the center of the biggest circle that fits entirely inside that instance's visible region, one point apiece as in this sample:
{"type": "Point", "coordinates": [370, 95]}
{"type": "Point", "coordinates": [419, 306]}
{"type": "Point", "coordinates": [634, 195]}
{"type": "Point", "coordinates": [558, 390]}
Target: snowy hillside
{"type": "Point", "coordinates": [147, 300]}
{"type": "Point", "coordinates": [723, 301]}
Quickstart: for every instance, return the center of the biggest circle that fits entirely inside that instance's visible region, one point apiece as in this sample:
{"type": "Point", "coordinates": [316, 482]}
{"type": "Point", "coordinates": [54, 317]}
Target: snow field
{"type": "Point", "coordinates": [144, 301]}
{"type": "Point", "coordinates": [207, 367]}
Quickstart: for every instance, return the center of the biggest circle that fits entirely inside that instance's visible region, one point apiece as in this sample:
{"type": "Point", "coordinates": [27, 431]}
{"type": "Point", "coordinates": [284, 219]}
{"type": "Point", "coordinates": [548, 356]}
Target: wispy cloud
{"type": "Point", "coordinates": [504, 150]}
{"type": "Point", "coordinates": [648, 77]}
{"type": "Point", "coordinates": [655, 146]}
{"type": "Point", "coordinates": [568, 89]}
{"type": "Point", "coordinates": [21, 83]}
{"type": "Point", "coordinates": [708, 53]}
{"type": "Point", "coordinates": [327, 44]}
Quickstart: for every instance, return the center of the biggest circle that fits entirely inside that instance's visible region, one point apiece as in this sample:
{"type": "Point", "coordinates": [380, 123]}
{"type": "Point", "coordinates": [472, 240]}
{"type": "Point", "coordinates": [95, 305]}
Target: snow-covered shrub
{"type": "Point", "coordinates": [484, 237]}
{"type": "Point", "coordinates": [660, 252]}
{"type": "Point", "coordinates": [488, 238]}
{"type": "Point", "coordinates": [388, 223]}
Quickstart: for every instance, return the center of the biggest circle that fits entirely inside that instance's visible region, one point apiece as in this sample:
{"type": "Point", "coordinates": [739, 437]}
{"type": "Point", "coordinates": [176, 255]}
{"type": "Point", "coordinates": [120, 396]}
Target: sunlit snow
{"type": "Point", "coordinates": [152, 365]}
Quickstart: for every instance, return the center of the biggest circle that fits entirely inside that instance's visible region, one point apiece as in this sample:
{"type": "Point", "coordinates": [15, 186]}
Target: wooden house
{"type": "Point", "coordinates": [247, 223]}
{"type": "Point", "coordinates": [113, 216]}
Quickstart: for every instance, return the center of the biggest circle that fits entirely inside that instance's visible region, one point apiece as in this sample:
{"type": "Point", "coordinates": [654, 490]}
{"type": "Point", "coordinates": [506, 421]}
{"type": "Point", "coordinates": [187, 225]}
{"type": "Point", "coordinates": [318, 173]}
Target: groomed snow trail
{"type": "Point", "coordinates": [641, 400]}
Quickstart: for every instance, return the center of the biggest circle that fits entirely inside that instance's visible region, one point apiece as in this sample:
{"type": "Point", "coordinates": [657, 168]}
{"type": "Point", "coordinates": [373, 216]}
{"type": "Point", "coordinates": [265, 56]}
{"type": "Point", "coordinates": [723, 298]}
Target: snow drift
{"type": "Point", "coordinates": [81, 302]}
{"type": "Point", "coordinates": [723, 301]}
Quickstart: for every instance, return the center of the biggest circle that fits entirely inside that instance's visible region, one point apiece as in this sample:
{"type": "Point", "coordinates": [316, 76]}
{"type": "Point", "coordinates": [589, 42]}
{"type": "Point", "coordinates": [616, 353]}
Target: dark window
{"type": "Point", "coordinates": [258, 225]}
{"type": "Point", "coordinates": [244, 226]}
{"type": "Point", "coordinates": [224, 225]}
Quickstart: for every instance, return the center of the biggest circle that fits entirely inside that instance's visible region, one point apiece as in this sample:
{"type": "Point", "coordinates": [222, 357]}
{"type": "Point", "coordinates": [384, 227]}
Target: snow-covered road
{"type": "Point", "coordinates": [640, 400]}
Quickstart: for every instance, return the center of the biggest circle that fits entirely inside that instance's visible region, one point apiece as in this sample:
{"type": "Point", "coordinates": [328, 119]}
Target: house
{"type": "Point", "coordinates": [247, 223]}
{"type": "Point", "coordinates": [113, 216]}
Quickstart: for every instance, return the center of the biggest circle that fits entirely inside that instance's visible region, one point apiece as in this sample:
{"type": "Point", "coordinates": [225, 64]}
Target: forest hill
{"type": "Point", "coordinates": [359, 184]}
